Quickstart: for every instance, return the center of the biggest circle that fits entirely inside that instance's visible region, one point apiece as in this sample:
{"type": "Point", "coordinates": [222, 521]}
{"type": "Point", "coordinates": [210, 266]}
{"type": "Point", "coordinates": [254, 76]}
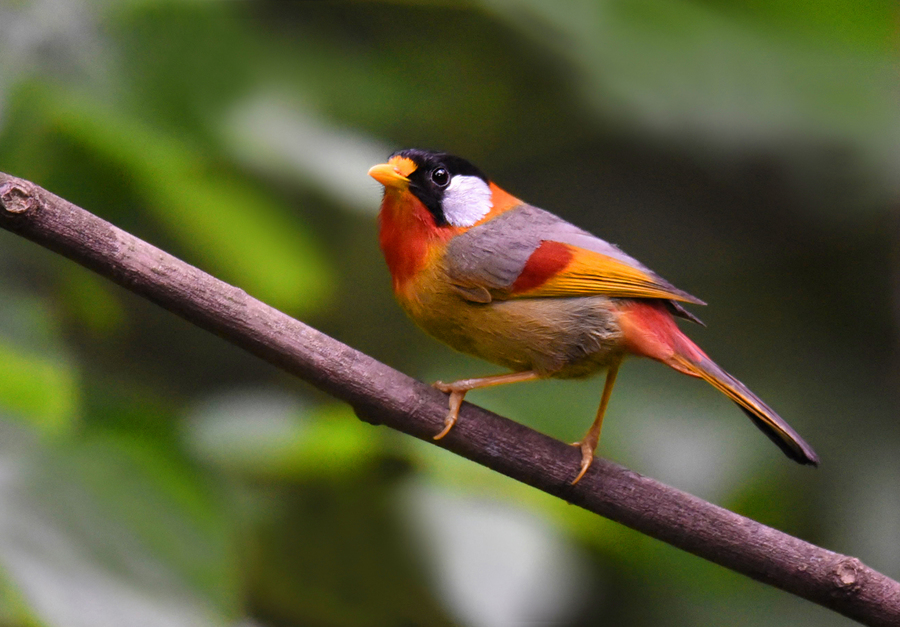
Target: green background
{"type": "Point", "coordinates": [151, 474]}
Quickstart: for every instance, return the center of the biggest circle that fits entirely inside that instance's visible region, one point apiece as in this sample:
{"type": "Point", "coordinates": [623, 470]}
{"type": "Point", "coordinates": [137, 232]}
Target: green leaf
{"type": "Point", "coordinates": [38, 388]}
{"type": "Point", "coordinates": [234, 227]}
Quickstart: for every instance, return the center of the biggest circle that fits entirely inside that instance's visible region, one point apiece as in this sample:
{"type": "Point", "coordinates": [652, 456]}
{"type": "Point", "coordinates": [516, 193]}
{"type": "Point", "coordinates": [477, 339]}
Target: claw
{"type": "Point", "coordinates": [456, 399]}
{"type": "Point", "coordinates": [587, 458]}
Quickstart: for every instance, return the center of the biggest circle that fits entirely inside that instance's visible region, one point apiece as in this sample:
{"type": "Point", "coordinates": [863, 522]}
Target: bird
{"type": "Point", "coordinates": [495, 277]}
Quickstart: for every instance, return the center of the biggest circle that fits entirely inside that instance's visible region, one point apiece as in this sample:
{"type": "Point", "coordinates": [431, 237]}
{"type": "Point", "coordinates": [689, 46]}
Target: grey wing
{"type": "Point", "coordinates": [491, 256]}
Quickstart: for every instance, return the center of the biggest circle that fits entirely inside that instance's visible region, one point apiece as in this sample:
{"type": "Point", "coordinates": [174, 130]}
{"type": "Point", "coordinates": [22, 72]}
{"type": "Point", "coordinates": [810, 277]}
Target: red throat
{"type": "Point", "coordinates": [407, 234]}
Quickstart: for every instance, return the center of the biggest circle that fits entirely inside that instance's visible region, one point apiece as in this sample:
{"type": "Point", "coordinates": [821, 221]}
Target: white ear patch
{"type": "Point", "coordinates": [466, 200]}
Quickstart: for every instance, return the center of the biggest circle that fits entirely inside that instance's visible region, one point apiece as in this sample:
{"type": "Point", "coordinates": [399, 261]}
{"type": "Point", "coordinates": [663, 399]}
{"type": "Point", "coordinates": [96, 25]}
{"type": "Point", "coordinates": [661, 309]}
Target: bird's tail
{"type": "Point", "coordinates": [763, 416]}
{"type": "Point", "coordinates": [651, 331]}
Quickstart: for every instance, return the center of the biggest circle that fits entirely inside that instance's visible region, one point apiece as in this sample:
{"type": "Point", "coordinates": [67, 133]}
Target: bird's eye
{"type": "Point", "coordinates": [440, 177]}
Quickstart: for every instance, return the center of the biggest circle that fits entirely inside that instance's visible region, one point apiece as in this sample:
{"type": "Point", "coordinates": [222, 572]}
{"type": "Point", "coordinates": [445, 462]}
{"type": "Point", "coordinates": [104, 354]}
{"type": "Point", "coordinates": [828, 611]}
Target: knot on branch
{"type": "Point", "coordinates": [367, 415]}
{"type": "Point", "coordinates": [18, 197]}
{"type": "Point", "coordinates": [848, 576]}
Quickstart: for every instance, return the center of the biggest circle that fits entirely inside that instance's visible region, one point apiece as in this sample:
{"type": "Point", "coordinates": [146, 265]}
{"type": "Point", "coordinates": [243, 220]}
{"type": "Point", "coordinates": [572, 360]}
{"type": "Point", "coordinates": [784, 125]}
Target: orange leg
{"type": "Point", "coordinates": [458, 389]}
{"type": "Point", "coordinates": [588, 443]}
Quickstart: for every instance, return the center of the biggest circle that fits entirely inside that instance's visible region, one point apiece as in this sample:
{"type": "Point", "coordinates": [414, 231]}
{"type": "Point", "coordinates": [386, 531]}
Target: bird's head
{"type": "Point", "coordinates": [429, 198]}
{"type": "Point", "coordinates": [454, 192]}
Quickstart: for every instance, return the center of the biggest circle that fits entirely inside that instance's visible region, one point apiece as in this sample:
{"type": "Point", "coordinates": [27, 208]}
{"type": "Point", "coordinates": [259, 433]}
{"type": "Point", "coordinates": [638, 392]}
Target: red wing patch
{"type": "Point", "coordinates": [548, 260]}
{"type": "Point", "coordinates": [557, 270]}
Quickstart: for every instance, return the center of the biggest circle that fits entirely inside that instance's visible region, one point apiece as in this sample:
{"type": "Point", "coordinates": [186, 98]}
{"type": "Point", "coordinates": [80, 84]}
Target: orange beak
{"type": "Point", "coordinates": [389, 175]}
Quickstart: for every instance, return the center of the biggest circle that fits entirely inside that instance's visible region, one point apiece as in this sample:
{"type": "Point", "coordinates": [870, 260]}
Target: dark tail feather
{"type": "Point", "coordinates": [763, 416]}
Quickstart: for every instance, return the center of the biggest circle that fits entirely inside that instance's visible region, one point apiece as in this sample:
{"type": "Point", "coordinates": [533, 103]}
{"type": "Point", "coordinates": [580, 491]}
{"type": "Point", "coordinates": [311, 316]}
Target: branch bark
{"type": "Point", "coordinates": [381, 395]}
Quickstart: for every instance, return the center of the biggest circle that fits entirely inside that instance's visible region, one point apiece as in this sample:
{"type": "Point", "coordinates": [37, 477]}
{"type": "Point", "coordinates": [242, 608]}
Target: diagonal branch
{"type": "Point", "coordinates": [382, 395]}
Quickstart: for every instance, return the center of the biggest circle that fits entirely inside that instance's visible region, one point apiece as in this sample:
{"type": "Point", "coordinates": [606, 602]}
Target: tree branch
{"type": "Point", "coordinates": [382, 395]}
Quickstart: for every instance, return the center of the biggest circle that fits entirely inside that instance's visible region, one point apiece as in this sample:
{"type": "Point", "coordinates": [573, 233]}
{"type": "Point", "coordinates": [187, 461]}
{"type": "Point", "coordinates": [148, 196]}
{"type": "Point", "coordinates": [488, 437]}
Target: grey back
{"type": "Point", "coordinates": [494, 254]}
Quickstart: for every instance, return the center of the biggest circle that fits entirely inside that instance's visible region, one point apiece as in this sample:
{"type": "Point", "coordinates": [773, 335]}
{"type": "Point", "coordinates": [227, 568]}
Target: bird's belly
{"type": "Point", "coordinates": [556, 337]}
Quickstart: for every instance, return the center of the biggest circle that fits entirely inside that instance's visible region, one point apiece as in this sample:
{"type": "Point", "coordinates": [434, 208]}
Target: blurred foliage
{"type": "Point", "coordinates": [152, 475]}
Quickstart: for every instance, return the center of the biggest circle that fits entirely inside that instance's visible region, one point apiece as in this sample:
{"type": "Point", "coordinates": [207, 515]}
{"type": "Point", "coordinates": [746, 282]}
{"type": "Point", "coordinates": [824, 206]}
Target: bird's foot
{"type": "Point", "coordinates": [456, 399]}
{"type": "Point", "coordinates": [587, 457]}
